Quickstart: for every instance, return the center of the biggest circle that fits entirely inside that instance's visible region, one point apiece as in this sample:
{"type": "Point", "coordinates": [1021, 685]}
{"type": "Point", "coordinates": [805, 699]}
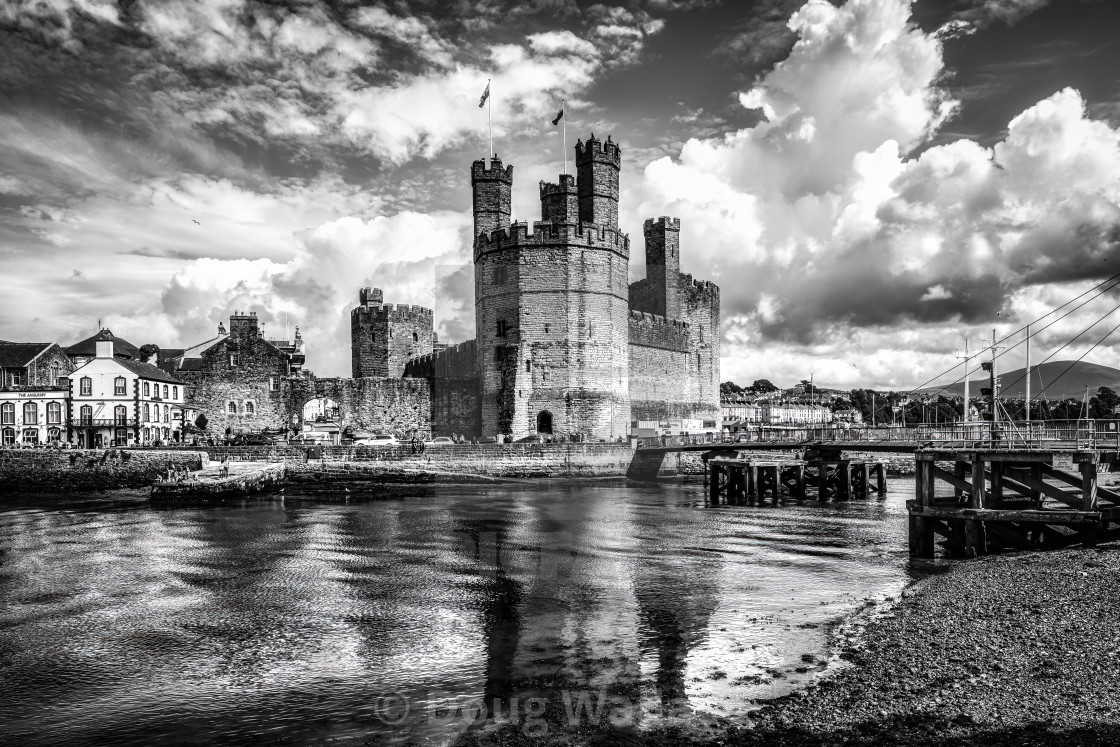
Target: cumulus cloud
{"type": "Point", "coordinates": [829, 235]}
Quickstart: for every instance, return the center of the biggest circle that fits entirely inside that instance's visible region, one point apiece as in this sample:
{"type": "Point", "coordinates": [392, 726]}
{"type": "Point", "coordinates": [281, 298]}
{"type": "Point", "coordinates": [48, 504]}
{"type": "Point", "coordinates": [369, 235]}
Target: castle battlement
{"type": "Point", "coordinates": [455, 361]}
{"type": "Point", "coordinates": [645, 316]}
{"type": "Point", "coordinates": [548, 233]}
{"type": "Point", "coordinates": [664, 223]}
{"type": "Point", "coordinates": [388, 309]}
{"type": "Point", "coordinates": [567, 186]}
{"type": "Point", "coordinates": [593, 150]}
{"type": "Point", "coordinates": [495, 172]}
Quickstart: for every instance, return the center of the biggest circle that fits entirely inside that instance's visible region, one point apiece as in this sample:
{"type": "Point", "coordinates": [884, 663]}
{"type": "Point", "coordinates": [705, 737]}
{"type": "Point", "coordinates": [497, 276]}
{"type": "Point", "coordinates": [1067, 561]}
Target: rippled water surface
{"type": "Point", "coordinates": [366, 620]}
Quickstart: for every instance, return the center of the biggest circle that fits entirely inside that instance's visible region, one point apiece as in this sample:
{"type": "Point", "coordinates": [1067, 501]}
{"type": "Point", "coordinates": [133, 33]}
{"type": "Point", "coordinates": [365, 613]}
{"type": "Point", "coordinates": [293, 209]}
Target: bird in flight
{"type": "Point", "coordinates": [195, 222]}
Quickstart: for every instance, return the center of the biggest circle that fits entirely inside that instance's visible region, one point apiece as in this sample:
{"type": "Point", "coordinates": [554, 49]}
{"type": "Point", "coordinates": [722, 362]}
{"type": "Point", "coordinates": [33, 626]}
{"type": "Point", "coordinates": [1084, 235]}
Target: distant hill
{"type": "Point", "coordinates": [1070, 385]}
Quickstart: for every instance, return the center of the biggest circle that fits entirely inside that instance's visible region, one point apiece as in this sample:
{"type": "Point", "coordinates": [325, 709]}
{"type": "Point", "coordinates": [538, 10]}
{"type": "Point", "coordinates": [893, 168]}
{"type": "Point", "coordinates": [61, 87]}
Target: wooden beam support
{"type": "Point", "coordinates": [961, 487]}
{"type": "Point", "coordinates": [1044, 516]}
{"type": "Point", "coordinates": [1048, 490]}
{"type": "Point", "coordinates": [1088, 485]}
{"type": "Point", "coordinates": [978, 497]}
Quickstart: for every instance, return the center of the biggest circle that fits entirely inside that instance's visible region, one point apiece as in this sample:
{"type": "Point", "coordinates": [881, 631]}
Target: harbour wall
{"type": "Point", "coordinates": [74, 470]}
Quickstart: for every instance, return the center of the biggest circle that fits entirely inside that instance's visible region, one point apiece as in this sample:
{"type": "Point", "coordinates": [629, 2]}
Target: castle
{"type": "Point", "coordinates": [565, 344]}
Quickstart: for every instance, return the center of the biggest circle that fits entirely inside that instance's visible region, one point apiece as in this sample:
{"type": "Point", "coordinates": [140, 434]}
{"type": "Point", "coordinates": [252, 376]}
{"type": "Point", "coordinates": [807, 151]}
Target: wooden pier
{"type": "Point", "coordinates": [987, 501]}
{"type": "Point", "coordinates": [750, 480]}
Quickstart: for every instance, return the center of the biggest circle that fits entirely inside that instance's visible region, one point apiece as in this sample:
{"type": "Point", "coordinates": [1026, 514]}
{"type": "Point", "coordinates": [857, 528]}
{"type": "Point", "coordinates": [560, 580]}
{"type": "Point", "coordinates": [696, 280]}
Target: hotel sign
{"type": "Point", "coordinates": [31, 395]}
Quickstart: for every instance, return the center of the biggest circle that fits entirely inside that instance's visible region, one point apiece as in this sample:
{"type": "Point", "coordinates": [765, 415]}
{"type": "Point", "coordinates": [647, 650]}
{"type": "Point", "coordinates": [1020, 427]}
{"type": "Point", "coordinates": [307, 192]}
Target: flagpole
{"type": "Point", "coordinates": [489, 120]}
{"type": "Point", "coordinates": [564, 108]}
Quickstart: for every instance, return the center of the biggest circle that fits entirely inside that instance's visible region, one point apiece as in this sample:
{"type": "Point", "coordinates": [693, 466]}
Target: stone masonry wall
{"type": "Point", "coordinates": [495, 460]}
{"type": "Point", "coordinates": [452, 377]}
{"type": "Point", "coordinates": [41, 372]}
{"type": "Point", "coordinates": [700, 308]}
{"type": "Point", "coordinates": [74, 470]}
{"type": "Point", "coordinates": [372, 404]}
{"type": "Point", "coordinates": [250, 382]}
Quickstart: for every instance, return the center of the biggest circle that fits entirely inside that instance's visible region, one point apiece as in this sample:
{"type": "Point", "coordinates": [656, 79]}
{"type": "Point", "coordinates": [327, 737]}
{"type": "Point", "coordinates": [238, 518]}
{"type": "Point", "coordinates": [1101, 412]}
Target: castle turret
{"type": "Point", "coordinates": [597, 168]}
{"type": "Point", "coordinates": [384, 337]}
{"type": "Point", "coordinates": [492, 187]}
{"type": "Point", "coordinates": [560, 202]}
{"type": "Point", "coordinates": [663, 264]}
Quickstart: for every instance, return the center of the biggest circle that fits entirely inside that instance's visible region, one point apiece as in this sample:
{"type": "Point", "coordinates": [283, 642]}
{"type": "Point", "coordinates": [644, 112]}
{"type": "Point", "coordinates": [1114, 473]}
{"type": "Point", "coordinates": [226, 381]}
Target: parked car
{"type": "Point", "coordinates": [536, 438]}
{"type": "Point", "coordinates": [379, 439]}
{"type": "Point", "coordinates": [320, 438]}
{"type": "Point", "coordinates": [256, 439]}
{"type": "Point", "coordinates": [440, 441]}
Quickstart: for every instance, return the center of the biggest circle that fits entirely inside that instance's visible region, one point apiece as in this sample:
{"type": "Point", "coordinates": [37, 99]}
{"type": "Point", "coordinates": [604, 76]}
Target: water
{"type": "Point", "coordinates": [380, 620]}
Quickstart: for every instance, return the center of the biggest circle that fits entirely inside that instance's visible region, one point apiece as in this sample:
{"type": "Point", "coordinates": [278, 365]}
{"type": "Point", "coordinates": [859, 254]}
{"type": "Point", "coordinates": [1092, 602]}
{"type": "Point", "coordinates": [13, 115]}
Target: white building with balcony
{"type": "Point", "coordinates": [122, 402]}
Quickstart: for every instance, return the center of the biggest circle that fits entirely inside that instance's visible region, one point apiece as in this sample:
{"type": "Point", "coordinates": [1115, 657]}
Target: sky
{"type": "Point", "coordinates": [870, 182]}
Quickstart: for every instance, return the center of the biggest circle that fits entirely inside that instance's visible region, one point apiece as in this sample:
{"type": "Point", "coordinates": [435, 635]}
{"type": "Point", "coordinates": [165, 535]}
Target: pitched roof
{"type": "Point", "coordinates": [19, 354]}
{"type": "Point", "coordinates": [148, 371]}
{"type": "Point", "coordinates": [122, 348]}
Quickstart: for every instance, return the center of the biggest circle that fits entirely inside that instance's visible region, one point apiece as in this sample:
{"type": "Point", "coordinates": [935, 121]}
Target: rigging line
{"type": "Point", "coordinates": [1063, 347]}
{"type": "Point", "coordinates": [1048, 313]}
{"type": "Point", "coordinates": [1036, 332]}
{"type": "Point", "coordinates": [1071, 365]}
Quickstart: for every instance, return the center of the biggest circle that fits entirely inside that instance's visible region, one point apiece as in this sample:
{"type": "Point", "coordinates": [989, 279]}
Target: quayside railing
{"type": "Point", "coordinates": [1003, 434]}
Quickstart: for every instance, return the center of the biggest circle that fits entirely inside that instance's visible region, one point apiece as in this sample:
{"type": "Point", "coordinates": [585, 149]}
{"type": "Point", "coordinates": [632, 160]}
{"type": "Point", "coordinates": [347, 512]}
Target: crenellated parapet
{"type": "Point", "coordinates": [653, 331]}
{"type": "Point", "coordinates": [594, 150]}
{"type": "Point", "coordinates": [492, 187]}
{"type": "Point", "coordinates": [518, 235]}
{"type": "Point", "coordinates": [392, 311]}
{"type": "Point", "coordinates": [560, 201]}
{"type": "Point", "coordinates": [663, 223]}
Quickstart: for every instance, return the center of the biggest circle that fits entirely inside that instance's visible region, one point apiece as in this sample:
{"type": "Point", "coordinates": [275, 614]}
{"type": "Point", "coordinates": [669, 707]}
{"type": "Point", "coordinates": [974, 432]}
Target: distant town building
{"type": "Point", "coordinates": [118, 401]}
{"type": "Point", "coordinates": [33, 392]}
{"type": "Point", "coordinates": [795, 414]}
{"type": "Point", "coordinates": [847, 416]}
{"type": "Point", "coordinates": [84, 351]}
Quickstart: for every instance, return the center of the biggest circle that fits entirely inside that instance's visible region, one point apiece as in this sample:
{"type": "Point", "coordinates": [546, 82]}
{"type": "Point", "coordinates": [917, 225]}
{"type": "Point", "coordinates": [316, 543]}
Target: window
{"type": "Point", "coordinates": [120, 415]}
{"type": "Point", "coordinates": [232, 408]}
{"type": "Point", "coordinates": [528, 366]}
{"type": "Point", "coordinates": [501, 328]}
{"type": "Point", "coordinates": [30, 413]}
{"type": "Point", "coordinates": [165, 391]}
{"type": "Point", "coordinates": [166, 434]}
{"type": "Point", "coordinates": [234, 360]}
{"type": "Point", "coordinates": [31, 435]}
{"type": "Point", "coordinates": [499, 275]}
{"type": "Point", "coordinates": [119, 386]}
{"type": "Point", "coordinates": [166, 414]}
{"type": "Point", "coordinates": [274, 383]}
{"type": "Point", "coordinates": [9, 436]}
{"type": "Point", "coordinates": [87, 386]}
{"type": "Point", "coordinates": [17, 378]}
{"type": "Point", "coordinates": [147, 434]}
{"type": "Point", "coordinates": [8, 414]}
{"type": "Point", "coordinates": [174, 392]}
{"type": "Point", "coordinates": [415, 337]}
{"type": "Point", "coordinates": [373, 337]}
{"type": "Point", "coordinates": [121, 436]}
{"type": "Point", "coordinates": [56, 372]}
{"type": "Point", "coordinates": [54, 435]}
{"type": "Point", "coordinates": [147, 389]}
{"type": "Point", "coordinates": [250, 408]}
{"type": "Point", "coordinates": [86, 414]}
{"type": "Point", "coordinates": [54, 413]}
{"type": "Point", "coordinates": [546, 329]}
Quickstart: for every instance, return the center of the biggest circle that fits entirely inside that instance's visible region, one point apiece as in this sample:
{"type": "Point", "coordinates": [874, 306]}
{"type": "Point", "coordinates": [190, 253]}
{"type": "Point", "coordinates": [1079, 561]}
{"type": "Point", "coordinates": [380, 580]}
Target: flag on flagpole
{"type": "Point", "coordinates": [485, 95]}
{"type": "Point", "coordinates": [559, 116]}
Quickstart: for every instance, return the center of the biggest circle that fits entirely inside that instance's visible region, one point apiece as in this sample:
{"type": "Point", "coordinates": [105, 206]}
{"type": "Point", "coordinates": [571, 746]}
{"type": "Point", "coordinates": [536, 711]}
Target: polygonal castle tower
{"type": "Point", "coordinates": [551, 302]}
{"type": "Point", "coordinates": [384, 337]}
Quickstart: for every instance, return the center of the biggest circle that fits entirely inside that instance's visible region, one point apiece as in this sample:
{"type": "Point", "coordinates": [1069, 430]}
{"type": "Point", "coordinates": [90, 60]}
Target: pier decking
{"type": "Point", "coordinates": [990, 500]}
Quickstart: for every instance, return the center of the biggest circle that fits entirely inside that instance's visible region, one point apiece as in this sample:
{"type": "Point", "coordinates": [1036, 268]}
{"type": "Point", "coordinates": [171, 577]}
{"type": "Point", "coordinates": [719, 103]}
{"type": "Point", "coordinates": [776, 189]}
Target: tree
{"type": "Point", "coordinates": [809, 387]}
{"type": "Point", "coordinates": [729, 387]}
{"type": "Point", "coordinates": [201, 421]}
{"type": "Point", "coordinates": [762, 386]}
{"type": "Point", "coordinates": [147, 352]}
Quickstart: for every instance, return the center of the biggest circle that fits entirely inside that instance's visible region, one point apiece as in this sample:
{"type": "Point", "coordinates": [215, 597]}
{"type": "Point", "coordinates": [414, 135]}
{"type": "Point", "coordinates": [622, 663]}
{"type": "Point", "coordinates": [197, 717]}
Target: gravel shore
{"type": "Point", "coordinates": [1019, 649]}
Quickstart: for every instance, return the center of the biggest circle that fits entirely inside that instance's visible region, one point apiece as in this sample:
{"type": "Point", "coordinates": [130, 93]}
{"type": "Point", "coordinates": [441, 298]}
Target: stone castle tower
{"type": "Point", "coordinates": [551, 302]}
{"type": "Point", "coordinates": [384, 337]}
